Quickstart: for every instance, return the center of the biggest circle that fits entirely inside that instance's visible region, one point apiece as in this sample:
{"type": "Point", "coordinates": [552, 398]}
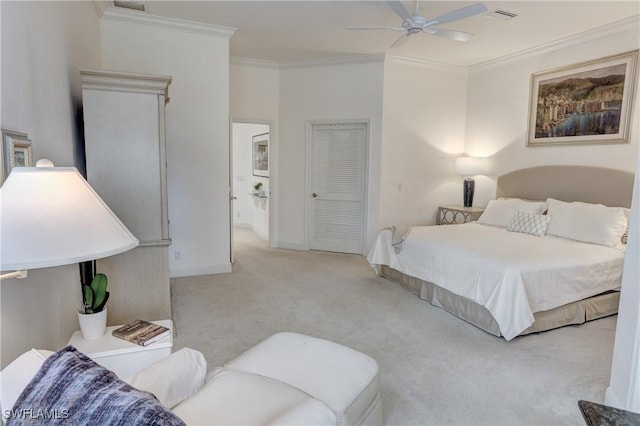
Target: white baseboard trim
{"type": "Point", "coordinates": [289, 246]}
{"type": "Point", "coordinates": [222, 268]}
{"type": "Point", "coordinates": [611, 399]}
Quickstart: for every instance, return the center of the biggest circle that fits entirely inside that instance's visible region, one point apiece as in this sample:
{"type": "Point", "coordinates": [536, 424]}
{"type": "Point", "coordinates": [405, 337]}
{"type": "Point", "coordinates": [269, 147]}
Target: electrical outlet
{"type": "Point", "coordinates": [238, 215]}
{"type": "Point", "coordinates": [177, 255]}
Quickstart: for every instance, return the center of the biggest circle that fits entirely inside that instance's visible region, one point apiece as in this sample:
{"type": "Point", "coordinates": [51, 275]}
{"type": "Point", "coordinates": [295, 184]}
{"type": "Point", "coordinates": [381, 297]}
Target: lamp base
{"type": "Point", "coordinates": [467, 192]}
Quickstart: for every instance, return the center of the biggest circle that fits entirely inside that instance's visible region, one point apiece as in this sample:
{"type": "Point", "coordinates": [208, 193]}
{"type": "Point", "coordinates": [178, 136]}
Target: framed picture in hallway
{"type": "Point", "coordinates": [261, 155]}
{"type": "Point", "coordinates": [16, 151]}
{"type": "Point", "coordinates": [584, 103]}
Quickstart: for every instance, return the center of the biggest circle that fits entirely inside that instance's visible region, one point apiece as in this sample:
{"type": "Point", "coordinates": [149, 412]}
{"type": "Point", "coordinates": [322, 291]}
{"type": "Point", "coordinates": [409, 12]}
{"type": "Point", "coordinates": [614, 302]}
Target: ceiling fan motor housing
{"type": "Point", "coordinates": [417, 24]}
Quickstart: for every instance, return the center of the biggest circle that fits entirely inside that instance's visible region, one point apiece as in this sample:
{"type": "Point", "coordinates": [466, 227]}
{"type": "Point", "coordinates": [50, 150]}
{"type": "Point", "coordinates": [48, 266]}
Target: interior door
{"type": "Point", "coordinates": [337, 184]}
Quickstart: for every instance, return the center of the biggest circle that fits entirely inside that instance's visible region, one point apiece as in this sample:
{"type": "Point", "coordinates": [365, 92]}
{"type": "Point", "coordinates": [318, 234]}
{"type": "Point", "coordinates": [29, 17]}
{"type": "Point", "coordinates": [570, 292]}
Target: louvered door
{"type": "Point", "coordinates": [337, 187]}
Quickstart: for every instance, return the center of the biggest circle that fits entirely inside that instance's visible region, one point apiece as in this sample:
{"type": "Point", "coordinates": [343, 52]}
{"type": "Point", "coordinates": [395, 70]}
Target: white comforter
{"type": "Point", "coordinates": [513, 275]}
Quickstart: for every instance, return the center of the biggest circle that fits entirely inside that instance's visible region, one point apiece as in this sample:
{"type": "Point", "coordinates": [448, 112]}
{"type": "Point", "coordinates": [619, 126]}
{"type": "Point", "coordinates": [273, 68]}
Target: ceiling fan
{"type": "Point", "coordinates": [416, 23]}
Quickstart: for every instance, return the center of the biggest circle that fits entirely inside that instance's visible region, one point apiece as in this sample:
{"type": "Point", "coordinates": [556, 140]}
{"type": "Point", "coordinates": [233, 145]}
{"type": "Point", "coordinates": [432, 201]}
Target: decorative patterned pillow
{"type": "Point", "coordinates": [72, 389]}
{"type": "Point", "coordinates": [527, 223]}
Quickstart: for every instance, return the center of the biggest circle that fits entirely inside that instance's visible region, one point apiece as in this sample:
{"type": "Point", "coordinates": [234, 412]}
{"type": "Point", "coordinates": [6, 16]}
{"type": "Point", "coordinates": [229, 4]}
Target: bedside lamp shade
{"type": "Point", "coordinates": [50, 216]}
{"type": "Point", "coordinates": [470, 166]}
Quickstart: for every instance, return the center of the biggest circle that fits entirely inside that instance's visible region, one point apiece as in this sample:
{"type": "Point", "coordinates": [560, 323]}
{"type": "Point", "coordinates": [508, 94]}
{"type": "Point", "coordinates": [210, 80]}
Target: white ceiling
{"type": "Point", "coordinates": [289, 31]}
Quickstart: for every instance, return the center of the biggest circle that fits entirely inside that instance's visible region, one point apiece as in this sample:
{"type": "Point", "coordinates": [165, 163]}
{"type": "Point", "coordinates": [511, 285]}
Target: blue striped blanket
{"type": "Point", "coordinates": [71, 389]}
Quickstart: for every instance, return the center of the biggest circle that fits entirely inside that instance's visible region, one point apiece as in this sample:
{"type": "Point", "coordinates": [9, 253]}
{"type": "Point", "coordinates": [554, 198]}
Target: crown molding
{"type": "Point", "coordinates": [595, 33]}
{"type": "Point", "coordinates": [424, 63]}
{"type": "Point", "coordinates": [261, 63]}
{"type": "Point", "coordinates": [344, 60]}
{"type": "Point", "coordinates": [125, 81]}
{"type": "Point", "coordinates": [318, 62]}
{"type": "Point", "coordinates": [334, 60]}
{"type": "Point", "coordinates": [143, 18]}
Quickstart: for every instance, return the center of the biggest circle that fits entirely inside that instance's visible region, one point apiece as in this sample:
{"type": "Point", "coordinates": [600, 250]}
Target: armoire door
{"type": "Point", "coordinates": [124, 129]}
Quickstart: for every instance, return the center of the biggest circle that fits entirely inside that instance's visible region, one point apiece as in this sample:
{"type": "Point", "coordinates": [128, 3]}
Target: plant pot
{"type": "Point", "coordinates": [93, 326]}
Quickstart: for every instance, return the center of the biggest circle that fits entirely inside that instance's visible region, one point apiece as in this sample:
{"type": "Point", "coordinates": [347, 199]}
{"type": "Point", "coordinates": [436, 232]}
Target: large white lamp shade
{"type": "Point", "coordinates": [50, 216]}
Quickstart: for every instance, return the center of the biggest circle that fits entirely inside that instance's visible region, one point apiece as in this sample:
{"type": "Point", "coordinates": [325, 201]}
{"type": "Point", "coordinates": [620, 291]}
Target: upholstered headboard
{"type": "Point", "coordinates": [597, 185]}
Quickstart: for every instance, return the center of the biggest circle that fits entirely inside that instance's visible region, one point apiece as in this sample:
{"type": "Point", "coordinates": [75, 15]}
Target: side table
{"type": "Point", "coordinates": [603, 415]}
{"type": "Point", "coordinates": [452, 215]}
{"type": "Point", "coordinates": [122, 357]}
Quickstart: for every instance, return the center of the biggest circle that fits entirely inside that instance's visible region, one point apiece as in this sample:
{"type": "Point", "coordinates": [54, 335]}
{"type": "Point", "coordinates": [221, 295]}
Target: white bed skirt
{"type": "Point", "coordinates": [579, 312]}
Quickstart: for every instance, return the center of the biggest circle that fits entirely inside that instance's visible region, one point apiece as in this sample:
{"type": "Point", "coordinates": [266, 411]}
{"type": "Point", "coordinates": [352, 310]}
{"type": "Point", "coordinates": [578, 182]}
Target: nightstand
{"type": "Point", "coordinates": [452, 215]}
{"type": "Point", "coordinates": [122, 357]}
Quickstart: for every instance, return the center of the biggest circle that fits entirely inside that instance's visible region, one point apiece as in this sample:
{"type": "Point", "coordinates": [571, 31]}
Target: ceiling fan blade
{"type": "Point", "coordinates": [399, 8]}
{"type": "Point", "coordinates": [375, 28]}
{"type": "Point", "coordinates": [450, 34]}
{"type": "Point", "coordinates": [462, 13]}
{"type": "Point", "coordinates": [399, 42]}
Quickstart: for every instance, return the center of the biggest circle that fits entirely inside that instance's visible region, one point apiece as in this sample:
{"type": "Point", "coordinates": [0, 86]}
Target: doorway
{"type": "Point", "coordinates": [249, 181]}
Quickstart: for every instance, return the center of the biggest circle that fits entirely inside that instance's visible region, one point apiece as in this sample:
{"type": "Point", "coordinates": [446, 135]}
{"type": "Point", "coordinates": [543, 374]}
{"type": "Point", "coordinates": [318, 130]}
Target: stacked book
{"type": "Point", "coordinates": [141, 332]}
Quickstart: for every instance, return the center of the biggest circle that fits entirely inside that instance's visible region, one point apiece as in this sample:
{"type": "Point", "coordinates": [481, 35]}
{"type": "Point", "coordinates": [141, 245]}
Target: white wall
{"type": "Point", "coordinates": [248, 211]}
{"type": "Point", "coordinates": [197, 127]}
{"type": "Point", "coordinates": [417, 120]}
{"type": "Point", "coordinates": [331, 92]}
{"type": "Point", "coordinates": [255, 90]}
{"type": "Point", "coordinates": [43, 45]}
{"type": "Point", "coordinates": [423, 131]}
{"type": "Point", "coordinates": [498, 102]}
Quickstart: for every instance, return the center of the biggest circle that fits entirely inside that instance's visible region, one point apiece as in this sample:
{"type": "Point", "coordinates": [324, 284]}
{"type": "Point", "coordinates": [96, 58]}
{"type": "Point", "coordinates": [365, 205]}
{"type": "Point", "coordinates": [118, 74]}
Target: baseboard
{"type": "Point", "coordinates": [611, 399]}
{"type": "Point", "coordinates": [222, 268]}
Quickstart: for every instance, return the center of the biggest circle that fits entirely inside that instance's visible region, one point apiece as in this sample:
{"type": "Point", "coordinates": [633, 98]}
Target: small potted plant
{"type": "Point", "coordinates": [92, 316]}
{"type": "Point", "coordinates": [257, 188]}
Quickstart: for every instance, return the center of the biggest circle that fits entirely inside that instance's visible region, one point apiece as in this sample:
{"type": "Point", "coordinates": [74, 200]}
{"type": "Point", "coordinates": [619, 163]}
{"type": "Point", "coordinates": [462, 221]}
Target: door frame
{"type": "Point", "coordinates": [308, 205]}
{"type": "Point", "coordinates": [273, 177]}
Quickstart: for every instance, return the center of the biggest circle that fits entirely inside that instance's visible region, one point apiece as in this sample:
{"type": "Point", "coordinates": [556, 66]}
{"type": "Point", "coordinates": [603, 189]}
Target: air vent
{"type": "Point", "coordinates": [126, 4]}
{"type": "Point", "coordinates": [501, 14]}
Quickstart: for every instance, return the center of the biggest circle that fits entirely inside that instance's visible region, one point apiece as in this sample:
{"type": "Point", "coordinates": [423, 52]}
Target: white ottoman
{"type": "Point", "coordinates": [345, 379]}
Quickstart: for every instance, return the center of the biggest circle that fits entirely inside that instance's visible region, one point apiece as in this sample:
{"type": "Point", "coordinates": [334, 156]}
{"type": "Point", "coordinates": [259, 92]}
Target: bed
{"type": "Point", "coordinates": [559, 264]}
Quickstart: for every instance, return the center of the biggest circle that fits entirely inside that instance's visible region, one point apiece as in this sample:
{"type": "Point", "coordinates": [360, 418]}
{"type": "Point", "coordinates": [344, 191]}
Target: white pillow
{"type": "Point", "coordinates": [174, 378]}
{"type": "Point", "coordinates": [500, 212]}
{"type": "Point", "coordinates": [527, 223]}
{"type": "Point", "coordinates": [17, 375]}
{"type": "Point", "coordinates": [590, 223]}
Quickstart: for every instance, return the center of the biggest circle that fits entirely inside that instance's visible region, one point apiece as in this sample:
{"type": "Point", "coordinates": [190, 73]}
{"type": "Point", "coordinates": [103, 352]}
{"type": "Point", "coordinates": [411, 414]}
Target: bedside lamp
{"type": "Point", "coordinates": [470, 166]}
{"type": "Point", "coordinates": [50, 216]}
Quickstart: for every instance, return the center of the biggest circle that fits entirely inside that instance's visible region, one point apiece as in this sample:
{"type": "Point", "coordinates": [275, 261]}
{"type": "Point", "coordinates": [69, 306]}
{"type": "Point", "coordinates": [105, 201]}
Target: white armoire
{"type": "Point", "coordinates": [124, 130]}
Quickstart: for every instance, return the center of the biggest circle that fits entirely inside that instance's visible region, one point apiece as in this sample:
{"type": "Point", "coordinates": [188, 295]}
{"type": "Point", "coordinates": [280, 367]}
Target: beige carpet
{"type": "Point", "coordinates": [435, 368]}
